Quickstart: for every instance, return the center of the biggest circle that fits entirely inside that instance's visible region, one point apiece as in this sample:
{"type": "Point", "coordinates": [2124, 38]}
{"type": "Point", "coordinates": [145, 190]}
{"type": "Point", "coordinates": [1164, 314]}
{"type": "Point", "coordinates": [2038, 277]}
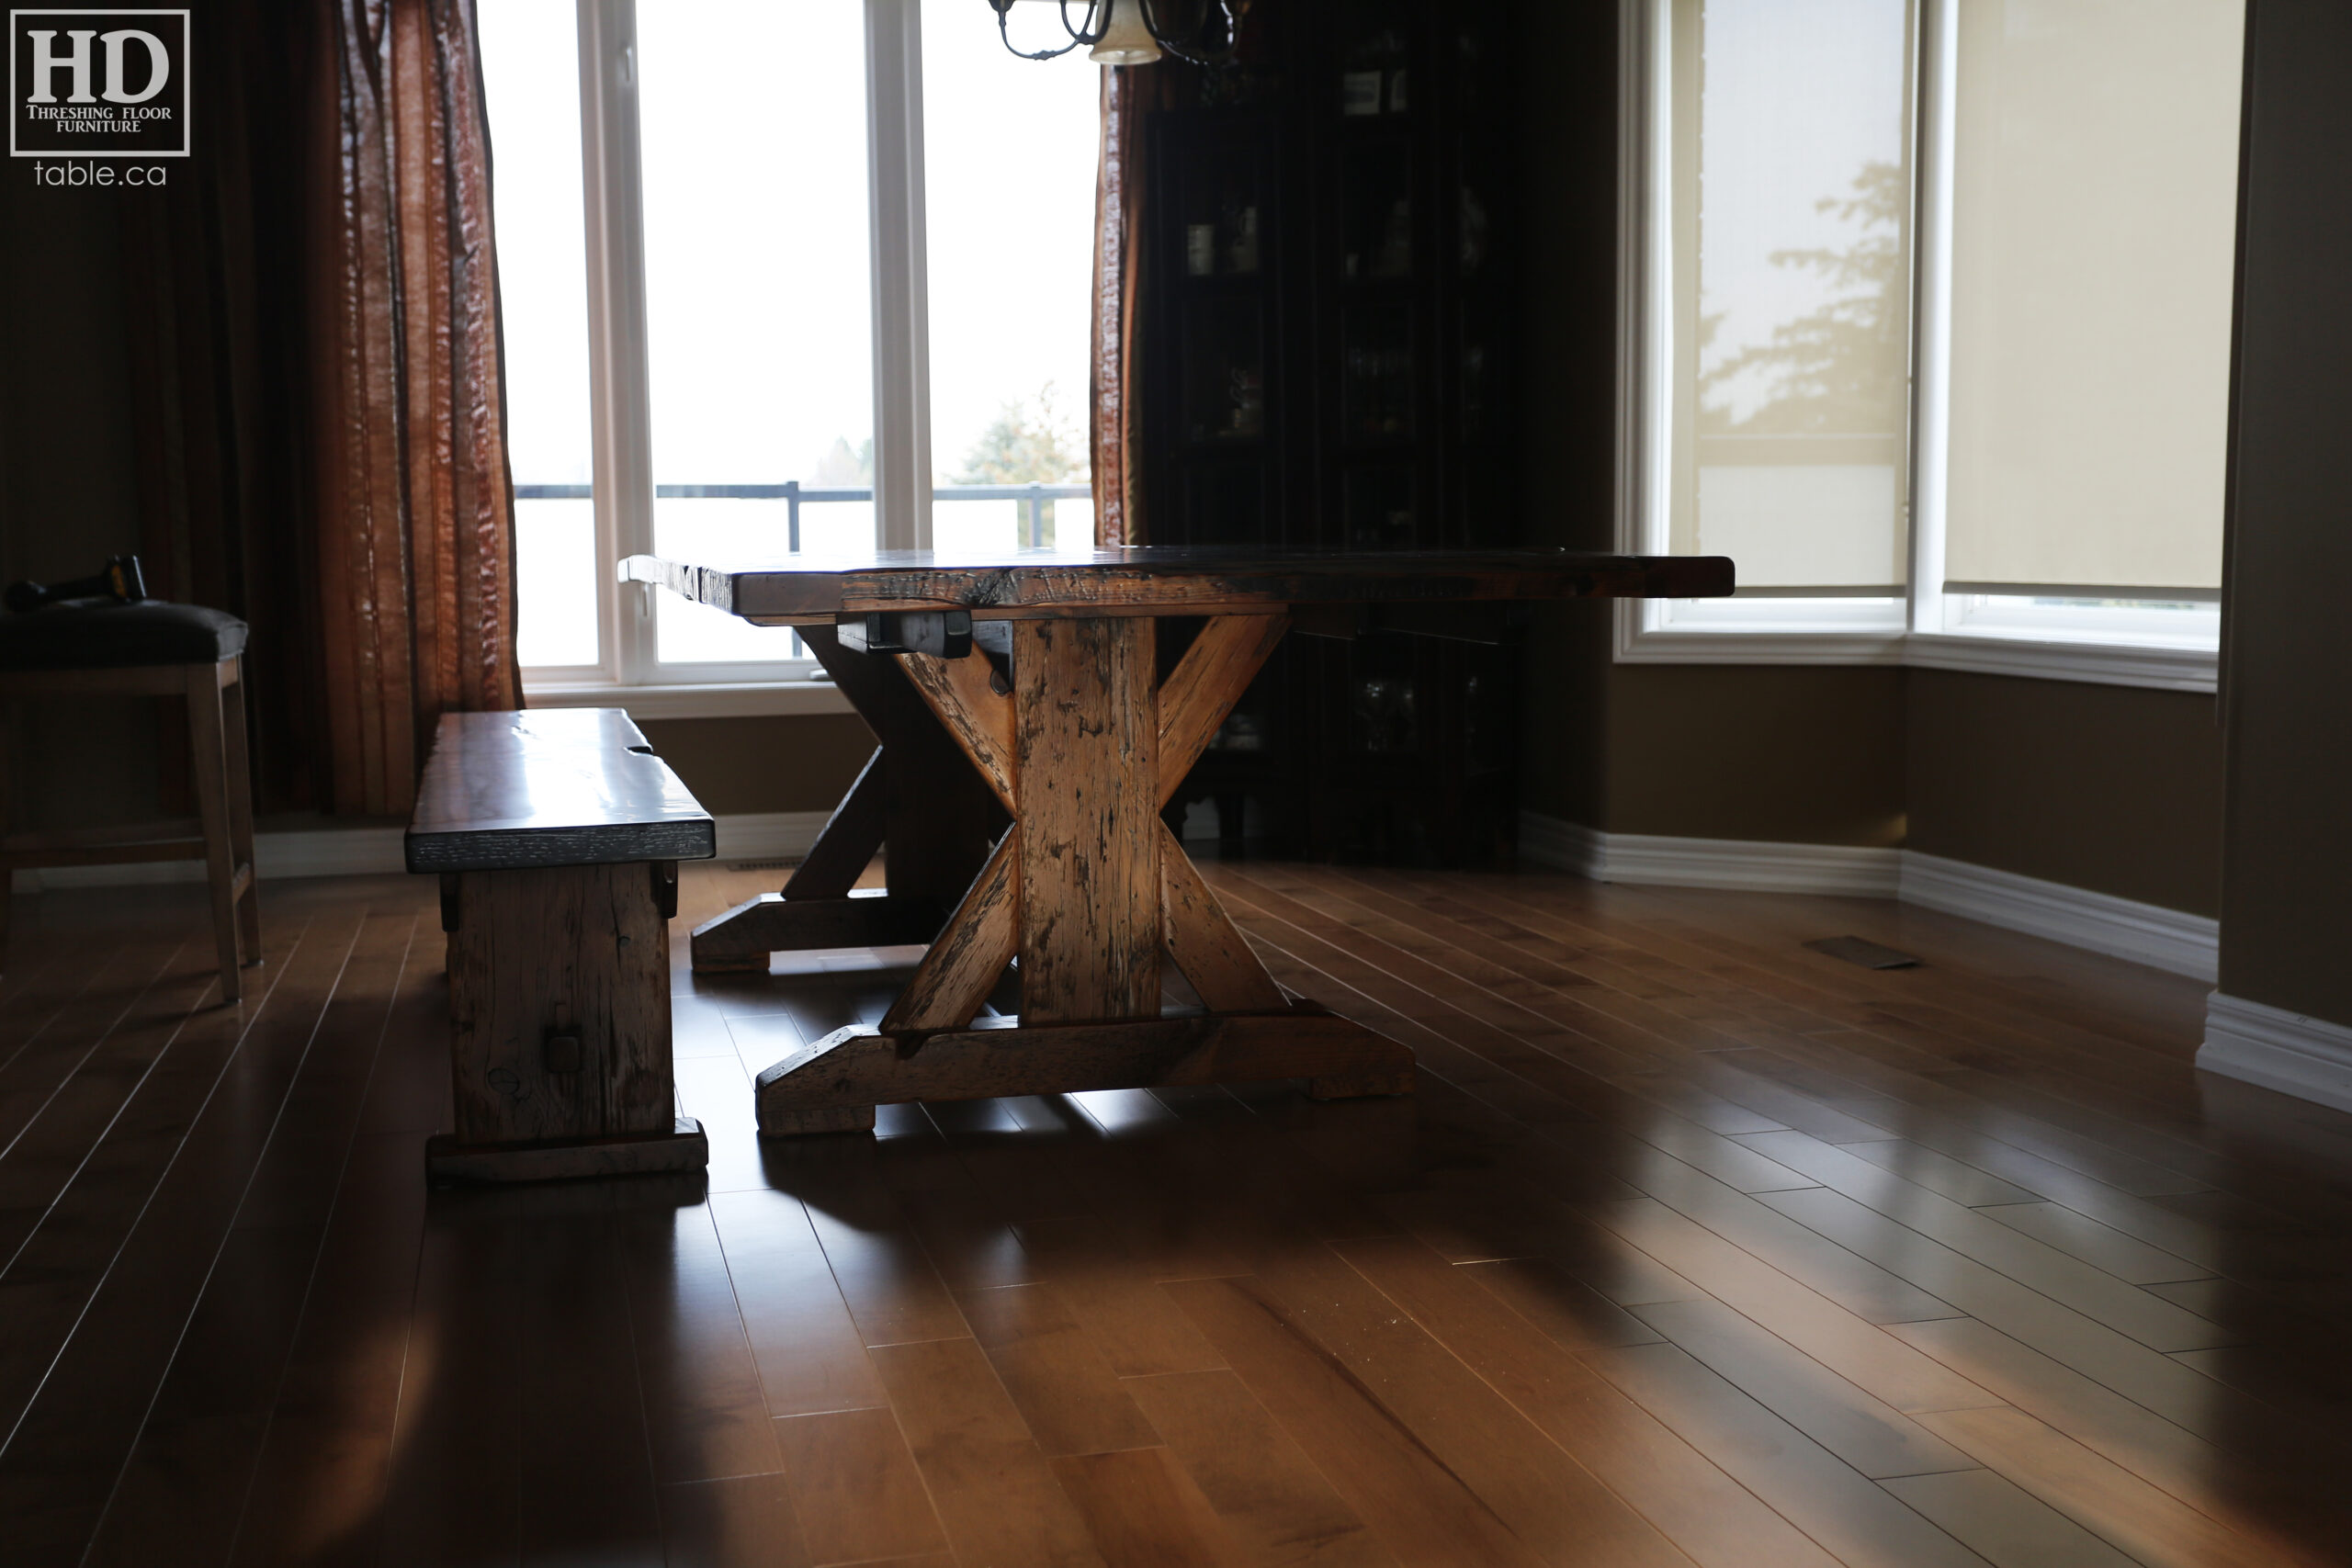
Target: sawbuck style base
{"type": "Point", "coordinates": [1080, 748]}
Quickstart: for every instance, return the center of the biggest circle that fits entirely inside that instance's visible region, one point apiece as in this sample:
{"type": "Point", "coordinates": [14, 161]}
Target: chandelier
{"type": "Point", "coordinates": [1137, 32]}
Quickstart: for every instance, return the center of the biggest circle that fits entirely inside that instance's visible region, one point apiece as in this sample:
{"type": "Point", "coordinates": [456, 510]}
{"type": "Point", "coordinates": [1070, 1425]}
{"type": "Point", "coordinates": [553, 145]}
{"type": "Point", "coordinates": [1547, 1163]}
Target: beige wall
{"type": "Point", "coordinates": [2286, 880]}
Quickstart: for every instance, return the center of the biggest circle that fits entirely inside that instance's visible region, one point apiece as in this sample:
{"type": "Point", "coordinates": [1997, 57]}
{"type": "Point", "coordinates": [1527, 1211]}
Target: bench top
{"type": "Point", "coordinates": [550, 786]}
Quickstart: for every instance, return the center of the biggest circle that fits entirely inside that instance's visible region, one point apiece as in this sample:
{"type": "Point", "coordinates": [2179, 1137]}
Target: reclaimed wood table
{"type": "Point", "coordinates": [1041, 670]}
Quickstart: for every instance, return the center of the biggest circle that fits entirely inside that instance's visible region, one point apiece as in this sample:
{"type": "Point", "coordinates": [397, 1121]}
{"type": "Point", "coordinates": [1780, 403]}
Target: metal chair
{"type": "Point", "coordinates": [153, 649]}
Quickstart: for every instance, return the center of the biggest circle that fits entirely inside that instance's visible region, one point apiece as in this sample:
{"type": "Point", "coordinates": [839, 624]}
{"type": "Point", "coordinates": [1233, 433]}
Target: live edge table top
{"type": "Point", "coordinates": [810, 589]}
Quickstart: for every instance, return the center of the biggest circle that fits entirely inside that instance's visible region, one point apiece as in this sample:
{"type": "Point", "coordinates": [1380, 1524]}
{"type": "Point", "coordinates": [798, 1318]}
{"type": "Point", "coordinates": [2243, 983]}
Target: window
{"type": "Point", "coordinates": [725, 337]}
{"type": "Point", "coordinates": [1927, 328]}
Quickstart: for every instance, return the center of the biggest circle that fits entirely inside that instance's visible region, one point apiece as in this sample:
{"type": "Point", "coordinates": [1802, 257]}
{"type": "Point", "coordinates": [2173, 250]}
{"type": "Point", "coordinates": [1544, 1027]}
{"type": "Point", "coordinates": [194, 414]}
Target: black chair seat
{"type": "Point", "coordinates": [97, 634]}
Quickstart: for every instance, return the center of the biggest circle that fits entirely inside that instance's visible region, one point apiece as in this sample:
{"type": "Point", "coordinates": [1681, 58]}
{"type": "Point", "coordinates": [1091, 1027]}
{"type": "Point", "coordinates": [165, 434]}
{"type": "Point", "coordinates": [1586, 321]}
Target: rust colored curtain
{"type": "Point", "coordinates": [413, 525]}
{"type": "Point", "coordinates": [1115, 439]}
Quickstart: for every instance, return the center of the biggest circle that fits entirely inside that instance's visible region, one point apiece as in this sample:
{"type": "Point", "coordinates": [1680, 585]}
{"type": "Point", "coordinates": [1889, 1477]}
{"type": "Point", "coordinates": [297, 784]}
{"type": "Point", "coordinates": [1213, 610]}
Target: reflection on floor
{"type": "Point", "coordinates": [1696, 1247]}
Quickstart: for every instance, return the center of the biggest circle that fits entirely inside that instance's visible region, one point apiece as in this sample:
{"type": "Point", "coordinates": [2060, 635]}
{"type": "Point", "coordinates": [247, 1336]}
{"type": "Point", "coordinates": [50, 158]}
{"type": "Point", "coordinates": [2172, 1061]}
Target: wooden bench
{"type": "Point", "coordinates": [557, 835]}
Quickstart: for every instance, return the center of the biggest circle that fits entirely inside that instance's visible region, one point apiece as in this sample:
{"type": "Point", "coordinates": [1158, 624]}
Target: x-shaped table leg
{"type": "Point", "coordinates": [1088, 889]}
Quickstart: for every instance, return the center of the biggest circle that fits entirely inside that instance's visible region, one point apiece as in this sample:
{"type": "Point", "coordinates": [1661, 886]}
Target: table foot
{"type": "Point", "coordinates": [740, 941]}
{"type": "Point", "coordinates": [851, 1071]}
{"type": "Point", "coordinates": [683, 1147]}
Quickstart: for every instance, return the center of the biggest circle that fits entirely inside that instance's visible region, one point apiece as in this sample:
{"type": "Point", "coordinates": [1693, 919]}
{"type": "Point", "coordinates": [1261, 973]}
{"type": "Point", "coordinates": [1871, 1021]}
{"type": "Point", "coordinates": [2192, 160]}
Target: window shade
{"type": "Point", "coordinates": [2094, 240]}
{"type": "Point", "coordinates": [1792, 258]}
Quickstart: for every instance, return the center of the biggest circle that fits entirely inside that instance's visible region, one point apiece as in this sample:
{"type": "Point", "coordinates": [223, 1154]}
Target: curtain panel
{"type": "Point", "coordinates": [414, 521]}
{"type": "Point", "coordinates": [1114, 436]}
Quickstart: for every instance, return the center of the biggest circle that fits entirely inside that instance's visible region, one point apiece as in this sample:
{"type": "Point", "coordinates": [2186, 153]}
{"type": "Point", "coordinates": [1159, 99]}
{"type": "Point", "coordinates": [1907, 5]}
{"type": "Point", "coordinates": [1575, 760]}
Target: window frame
{"type": "Point", "coordinates": [620, 384]}
{"type": "Point", "coordinates": [1928, 628]}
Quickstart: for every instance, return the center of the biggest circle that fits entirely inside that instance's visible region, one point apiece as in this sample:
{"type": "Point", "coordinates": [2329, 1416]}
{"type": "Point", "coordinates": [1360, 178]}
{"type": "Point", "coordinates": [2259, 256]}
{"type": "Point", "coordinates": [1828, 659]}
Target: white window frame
{"type": "Point", "coordinates": [1930, 627]}
{"type": "Point", "coordinates": [631, 673]}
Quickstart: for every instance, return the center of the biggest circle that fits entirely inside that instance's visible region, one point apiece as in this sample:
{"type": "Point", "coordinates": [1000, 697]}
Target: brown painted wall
{"type": "Point", "coordinates": [2112, 788]}
{"type": "Point", "coordinates": [68, 490]}
{"type": "Point", "coordinates": [2287, 879]}
{"type": "Point", "coordinates": [737, 765]}
{"type": "Point", "coordinates": [1790, 753]}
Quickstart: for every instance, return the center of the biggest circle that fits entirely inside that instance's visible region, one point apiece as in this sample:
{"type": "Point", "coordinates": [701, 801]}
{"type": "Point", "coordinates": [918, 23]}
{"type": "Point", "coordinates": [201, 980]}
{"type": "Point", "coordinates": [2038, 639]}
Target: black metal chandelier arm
{"type": "Point", "coordinates": [1003, 7]}
{"type": "Point", "coordinates": [1231, 10]}
{"type": "Point", "coordinates": [1088, 35]}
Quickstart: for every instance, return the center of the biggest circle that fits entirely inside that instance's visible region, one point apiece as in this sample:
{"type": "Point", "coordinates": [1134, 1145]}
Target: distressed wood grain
{"type": "Point", "coordinates": [1087, 741]}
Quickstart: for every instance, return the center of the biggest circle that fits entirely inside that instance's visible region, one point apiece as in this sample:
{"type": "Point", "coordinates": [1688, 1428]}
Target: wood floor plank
{"type": "Point", "coordinates": [2002, 1523]}
{"type": "Point", "coordinates": [740, 1521]}
{"type": "Point", "coordinates": [1860, 1351]}
{"type": "Point", "coordinates": [1872, 1437]}
{"type": "Point", "coordinates": [1860, 1523]}
{"type": "Point", "coordinates": [1145, 1512]}
{"type": "Point", "coordinates": [1688, 1498]}
{"type": "Point", "coordinates": [2009, 1251]}
{"type": "Point", "coordinates": [1552, 1502]}
{"type": "Point", "coordinates": [1571, 1314]}
{"type": "Point", "coordinates": [1117, 1299]}
{"type": "Point", "coordinates": [806, 1344]}
{"type": "Point", "coordinates": [2221, 1454]}
{"type": "Point", "coordinates": [1061, 1380]}
{"type": "Point", "coordinates": [854, 1489]}
{"type": "Point", "coordinates": [1414, 1504]}
{"type": "Point", "coordinates": [705, 1410]}
{"type": "Point", "coordinates": [1261, 1483]}
{"type": "Point", "coordinates": [2079, 1236]}
{"type": "Point", "coordinates": [2106, 1499]}
{"type": "Point", "coordinates": [1938, 1173]}
{"type": "Point", "coordinates": [996, 1494]}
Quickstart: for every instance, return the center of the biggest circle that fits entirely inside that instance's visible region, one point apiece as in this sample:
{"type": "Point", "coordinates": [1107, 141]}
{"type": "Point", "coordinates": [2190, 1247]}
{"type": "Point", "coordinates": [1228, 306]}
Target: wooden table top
{"type": "Point", "coordinates": [1164, 580]}
{"type": "Point", "coordinates": [550, 786]}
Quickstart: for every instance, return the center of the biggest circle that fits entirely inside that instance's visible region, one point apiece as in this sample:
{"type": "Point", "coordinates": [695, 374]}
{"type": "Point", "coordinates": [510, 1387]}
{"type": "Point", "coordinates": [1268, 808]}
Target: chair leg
{"type": "Point", "coordinates": [207, 746]}
{"type": "Point", "coordinates": [241, 817]}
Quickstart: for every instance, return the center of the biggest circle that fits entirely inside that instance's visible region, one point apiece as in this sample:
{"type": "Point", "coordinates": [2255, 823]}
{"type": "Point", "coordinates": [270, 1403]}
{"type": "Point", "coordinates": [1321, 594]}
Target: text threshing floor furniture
{"type": "Point", "coordinates": [1043, 669]}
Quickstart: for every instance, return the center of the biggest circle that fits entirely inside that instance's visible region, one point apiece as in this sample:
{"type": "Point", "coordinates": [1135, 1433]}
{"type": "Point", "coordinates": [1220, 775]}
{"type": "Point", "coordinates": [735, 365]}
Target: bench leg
{"type": "Point", "coordinates": [208, 745]}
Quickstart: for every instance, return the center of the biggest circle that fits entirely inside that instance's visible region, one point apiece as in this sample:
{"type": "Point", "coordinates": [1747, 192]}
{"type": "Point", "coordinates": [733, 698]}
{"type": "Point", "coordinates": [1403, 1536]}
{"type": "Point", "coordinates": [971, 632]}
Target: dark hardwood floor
{"type": "Point", "coordinates": [1696, 1247]}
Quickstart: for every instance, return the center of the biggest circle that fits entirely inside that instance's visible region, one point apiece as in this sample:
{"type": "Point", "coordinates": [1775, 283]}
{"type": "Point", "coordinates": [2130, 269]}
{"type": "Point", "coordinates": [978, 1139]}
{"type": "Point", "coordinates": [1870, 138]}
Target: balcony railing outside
{"type": "Point", "coordinates": [793, 493]}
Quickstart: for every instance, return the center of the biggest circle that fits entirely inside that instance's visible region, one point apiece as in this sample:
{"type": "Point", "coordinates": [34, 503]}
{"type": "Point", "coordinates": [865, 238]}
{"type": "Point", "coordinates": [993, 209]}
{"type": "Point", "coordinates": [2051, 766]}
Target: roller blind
{"type": "Point", "coordinates": [2094, 237]}
{"type": "Point", "coordinates": [1791, 181]}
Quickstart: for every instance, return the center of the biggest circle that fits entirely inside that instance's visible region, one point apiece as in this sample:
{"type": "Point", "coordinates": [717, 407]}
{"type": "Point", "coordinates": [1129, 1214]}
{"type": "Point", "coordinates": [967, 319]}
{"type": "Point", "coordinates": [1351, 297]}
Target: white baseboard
{"type": "Point", "coordinates": [2307, 1057]}
{"type": "Point", "coordinates": [376, 851]}
{"type": "Point", "coordinates": [2122, 928]}
{"type": "Point", "coordinates": [1750, 864]}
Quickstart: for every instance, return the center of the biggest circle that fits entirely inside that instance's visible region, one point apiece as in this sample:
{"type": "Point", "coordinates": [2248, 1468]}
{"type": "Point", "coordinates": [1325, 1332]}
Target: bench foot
{"type": "Point", "coordinates": [683, 1147]}
{"type": "Point", "coordinates": [849, 1072]}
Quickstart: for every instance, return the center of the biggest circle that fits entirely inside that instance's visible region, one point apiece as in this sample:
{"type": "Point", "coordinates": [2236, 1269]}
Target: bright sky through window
{"type": "Point", "coordinates": [758, 290]}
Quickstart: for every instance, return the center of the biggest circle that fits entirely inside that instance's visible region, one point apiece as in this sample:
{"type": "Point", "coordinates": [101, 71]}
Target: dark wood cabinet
{"type": "Point", "coordinates": [1325, 365]}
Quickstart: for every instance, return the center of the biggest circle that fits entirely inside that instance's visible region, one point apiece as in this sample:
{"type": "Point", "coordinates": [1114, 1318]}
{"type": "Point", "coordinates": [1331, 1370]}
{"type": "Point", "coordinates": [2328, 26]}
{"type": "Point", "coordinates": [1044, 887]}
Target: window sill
{"type": "Point", "coordinates": [731, 699]}
{"type": "Point", "coordinates": [2103, 664]}
{"type": "Point", "coordinates": [2171, 669]}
